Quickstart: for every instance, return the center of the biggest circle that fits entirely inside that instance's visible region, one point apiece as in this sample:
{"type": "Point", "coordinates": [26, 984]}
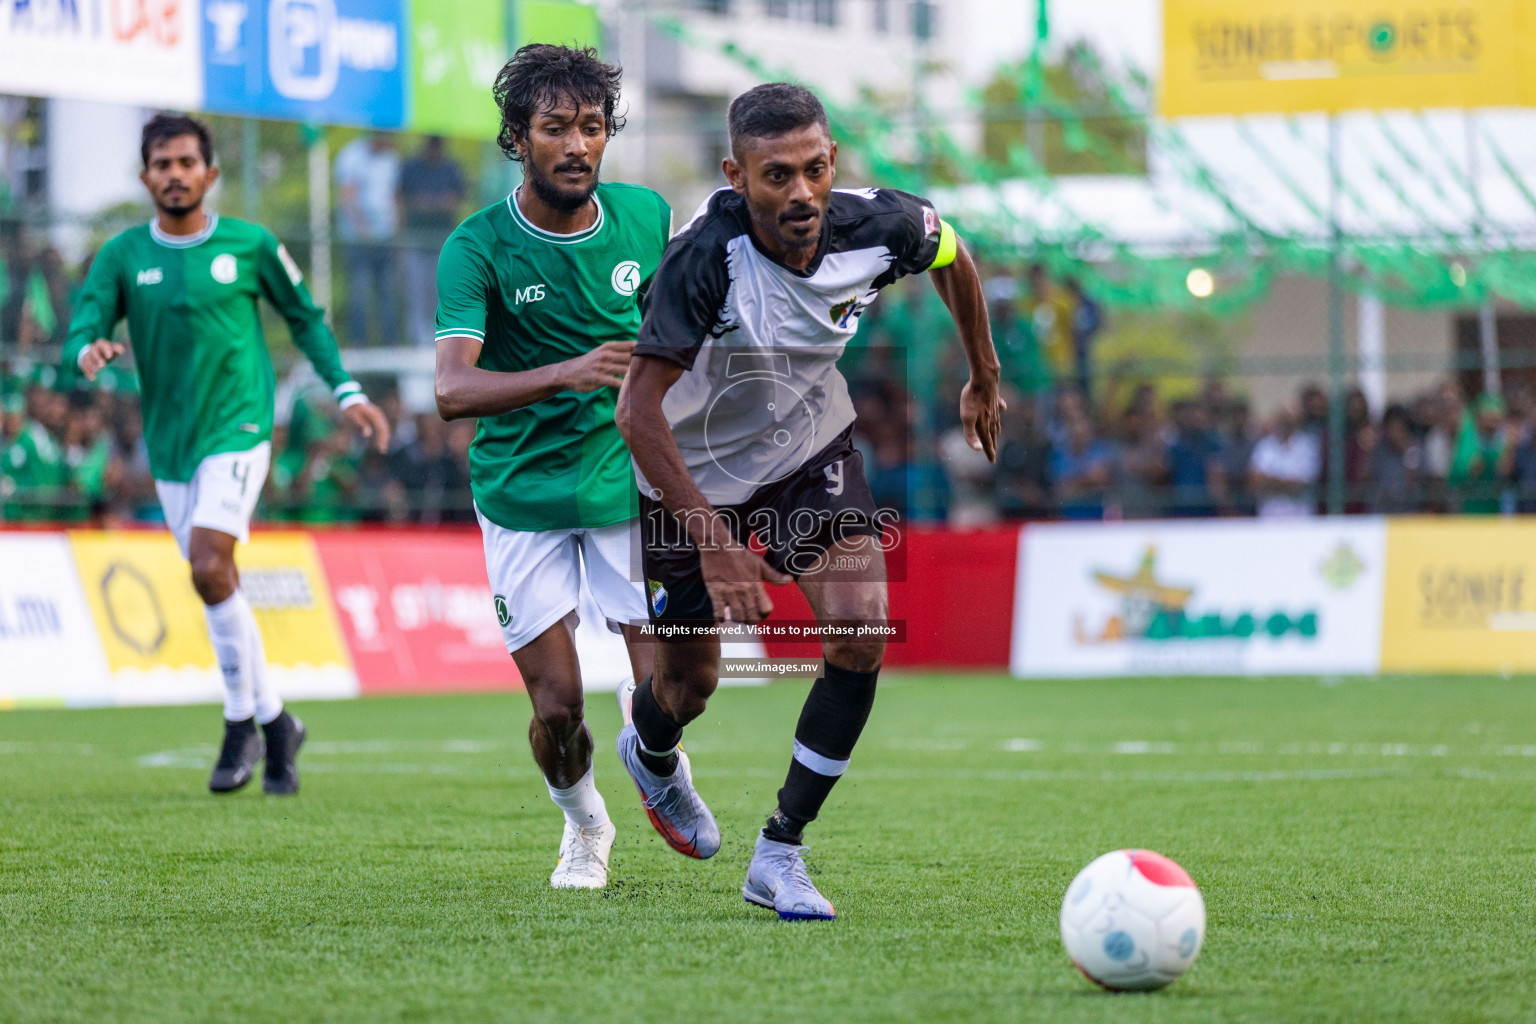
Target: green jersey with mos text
{"type": "Point", "coordinates": [532, 297]}
{"type": "Point", "coordinates": [191, 305]}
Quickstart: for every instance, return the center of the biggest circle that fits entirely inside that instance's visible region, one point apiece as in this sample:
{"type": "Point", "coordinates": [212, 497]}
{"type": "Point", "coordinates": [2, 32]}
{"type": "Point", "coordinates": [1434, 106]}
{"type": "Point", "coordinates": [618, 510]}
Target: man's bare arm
{"type": "Point", "coordinates": [463, 389]}
{"type": "Point", "coordinates": [732, 573]}
{"type": "Point", "coordinates": [959, 285]}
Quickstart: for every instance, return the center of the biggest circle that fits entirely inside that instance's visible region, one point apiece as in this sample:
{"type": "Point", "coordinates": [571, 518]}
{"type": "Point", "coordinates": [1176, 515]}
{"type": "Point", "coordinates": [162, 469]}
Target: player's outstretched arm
{"type": "Point", "coordinates": [464, 389]}
{"type": "Point", "coordinates": [283, 286]}
{"type": "Point", "coordinates": [959, 285]}
{"type": "Point", "coordinates": [100, 306]}
{"type": "Point", "coordinates": [733, 574]}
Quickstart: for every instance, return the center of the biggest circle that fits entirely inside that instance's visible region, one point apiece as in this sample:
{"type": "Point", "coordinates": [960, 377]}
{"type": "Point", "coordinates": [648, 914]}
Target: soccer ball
{"type": "Point", "coordinates": [1132, 920]}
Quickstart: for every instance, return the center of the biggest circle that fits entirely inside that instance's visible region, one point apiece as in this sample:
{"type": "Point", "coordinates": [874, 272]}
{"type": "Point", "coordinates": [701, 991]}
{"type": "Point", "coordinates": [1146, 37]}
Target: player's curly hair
{"type": "Point", "coordinates": [540, 76]}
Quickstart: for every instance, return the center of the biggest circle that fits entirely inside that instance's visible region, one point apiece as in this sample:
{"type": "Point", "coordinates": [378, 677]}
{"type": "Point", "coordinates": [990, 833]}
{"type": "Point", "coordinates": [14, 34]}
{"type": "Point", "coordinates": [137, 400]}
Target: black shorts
{"type": "Point", "coordinates": [790, 522]}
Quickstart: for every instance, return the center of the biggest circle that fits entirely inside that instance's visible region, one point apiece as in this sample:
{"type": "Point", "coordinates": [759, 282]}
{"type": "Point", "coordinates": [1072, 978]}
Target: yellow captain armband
{"type": "Point", "coordinates": [949, 242]}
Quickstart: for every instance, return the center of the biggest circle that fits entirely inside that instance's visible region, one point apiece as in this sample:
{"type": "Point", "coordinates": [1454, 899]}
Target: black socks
{"type": "Point", "coordinates": [657, 731]}
{"type": "Point", "coordinates": [830, 724]}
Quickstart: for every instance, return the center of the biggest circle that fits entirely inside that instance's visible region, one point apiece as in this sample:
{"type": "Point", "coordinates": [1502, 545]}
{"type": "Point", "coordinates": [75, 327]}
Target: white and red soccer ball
{"type": "Point", "coordinates": [1133, 920]}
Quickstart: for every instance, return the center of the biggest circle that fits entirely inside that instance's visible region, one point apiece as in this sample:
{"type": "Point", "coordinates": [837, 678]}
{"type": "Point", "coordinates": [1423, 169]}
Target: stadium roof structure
{"type": "Point", "coordinates": [1430, 208]}
{"type": "Point", "coordinates": [1423, 208]}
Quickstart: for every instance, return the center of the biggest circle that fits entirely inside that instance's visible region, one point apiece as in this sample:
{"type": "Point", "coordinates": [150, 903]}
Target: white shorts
{"type": "Point", "coordinates": [536, 577]}
{"type": "Point", "coordinates": [222, 495]}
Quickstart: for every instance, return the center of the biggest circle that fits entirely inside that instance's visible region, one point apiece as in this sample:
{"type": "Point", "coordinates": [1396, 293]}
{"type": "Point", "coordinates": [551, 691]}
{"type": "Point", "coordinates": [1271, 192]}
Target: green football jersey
{"type": "Point", "coordinates": [533, 298]}
{"type": "Point", "coordinates": [191, 303]}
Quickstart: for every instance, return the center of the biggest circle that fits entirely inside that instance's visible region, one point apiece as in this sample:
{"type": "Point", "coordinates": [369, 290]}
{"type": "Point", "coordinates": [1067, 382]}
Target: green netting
{"type": "Point", "coordinates": [1427, 266]}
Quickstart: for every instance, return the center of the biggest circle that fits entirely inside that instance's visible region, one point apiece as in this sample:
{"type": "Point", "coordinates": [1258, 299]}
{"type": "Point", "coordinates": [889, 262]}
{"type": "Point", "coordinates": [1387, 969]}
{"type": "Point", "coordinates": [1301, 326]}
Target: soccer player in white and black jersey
{"type": "Point", "coordinates": [740, 427]}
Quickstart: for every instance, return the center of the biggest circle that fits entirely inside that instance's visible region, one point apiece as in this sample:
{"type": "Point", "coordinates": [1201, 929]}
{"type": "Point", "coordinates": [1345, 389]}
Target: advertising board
{"type": "Point", "coordinates": [1220, 597]}
{"type": "Point", "coordinates": [460, 45]}
{"type": "Point", "coordinates": [146, 52]}
{"type": "Point", "coordinates": [154, 634]}
{"type": "Point", "coordinates": [49, 652]}
{"type": "Point", "coordinates": [416, 611]}
{"type": "Point", "coordinates": [323, 61]}
{"type": "Point", "coordinates": [1460, 596]}
{"type": "Point", "coordinates": [1288, 56]}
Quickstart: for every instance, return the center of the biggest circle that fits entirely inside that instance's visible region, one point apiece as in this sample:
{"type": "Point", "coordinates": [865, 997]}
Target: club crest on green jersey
{"type": "Point", "coordinates": [626, 277]}
{"type": "Point", "coordinates": [224, 269]}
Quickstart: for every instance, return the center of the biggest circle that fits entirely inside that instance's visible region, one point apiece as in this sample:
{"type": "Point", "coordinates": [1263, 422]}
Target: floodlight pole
{"type": "Point", "coordinates": [1034, 125]}
{"type": "Point", "coordinates": [250, 179]}
{"type": "Point", "coordinates": [318, 160]}
{"type": "Point", "coordinates": [1336, 439]}
{"type": "Point", "coordinates": [1487, 324]}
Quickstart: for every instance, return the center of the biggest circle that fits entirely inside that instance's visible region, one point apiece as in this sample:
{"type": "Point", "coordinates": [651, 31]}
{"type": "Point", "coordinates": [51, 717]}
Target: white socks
{"type": "Point", "coordinates": [243, 661]}
{"type": "Point", "coordinates": [582, 803]}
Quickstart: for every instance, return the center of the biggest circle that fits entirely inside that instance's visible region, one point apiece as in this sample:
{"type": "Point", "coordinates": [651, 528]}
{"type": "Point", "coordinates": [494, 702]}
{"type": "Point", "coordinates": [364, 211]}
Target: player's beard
{"type": "Point", "coordinates": [796, 241]}
{"type": "Point", "coordinates": [185, 202]}
{"type": "Point", "coordinates": [555, 197]}
{"type": "Point", "coordinates": [777, 223]}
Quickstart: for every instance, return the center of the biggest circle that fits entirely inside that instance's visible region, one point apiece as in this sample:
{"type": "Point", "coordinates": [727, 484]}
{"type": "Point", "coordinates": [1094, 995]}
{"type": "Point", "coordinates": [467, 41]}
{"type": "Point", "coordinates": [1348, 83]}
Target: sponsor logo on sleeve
{"type": "Point", "coordinates": [930, 222]}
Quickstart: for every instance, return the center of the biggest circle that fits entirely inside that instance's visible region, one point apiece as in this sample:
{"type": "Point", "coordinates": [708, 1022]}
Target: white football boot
{"type": "Point", "coordinates": [583, 860]}
{"type": "Point", "coordinates": [626, 695]}
{"type": "Point", "coordinates": [776, 879]}
{"type": "Point", "coordinates": [674, 807]}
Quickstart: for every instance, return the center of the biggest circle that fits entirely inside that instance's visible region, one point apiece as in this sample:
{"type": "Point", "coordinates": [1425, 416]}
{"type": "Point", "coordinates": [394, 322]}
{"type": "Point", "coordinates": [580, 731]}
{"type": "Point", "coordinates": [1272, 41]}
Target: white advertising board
{"type": "Point", "coordinates": [49, 650]}
{"type": "Point", "coordinates": [1212, 597]}
{"type": "Point", "coordinates": [146, 52]}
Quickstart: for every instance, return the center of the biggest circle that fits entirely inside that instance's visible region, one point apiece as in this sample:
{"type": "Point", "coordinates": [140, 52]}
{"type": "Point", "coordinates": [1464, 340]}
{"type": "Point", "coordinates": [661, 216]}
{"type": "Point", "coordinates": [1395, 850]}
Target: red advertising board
{"type": "Point", "coordinates": [955, 605]}
{"type": "Point", "coordinates": [416, 610]}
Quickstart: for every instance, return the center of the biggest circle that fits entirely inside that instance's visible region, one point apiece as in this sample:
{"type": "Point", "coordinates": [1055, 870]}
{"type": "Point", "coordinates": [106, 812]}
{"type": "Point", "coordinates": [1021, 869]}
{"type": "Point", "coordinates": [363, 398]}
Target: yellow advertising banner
{"type": "Point", "coordinates": [151, 622]}
{"type": "Point", "coordinates": [1460, 596]}
{"type": "Point", "coordinates": [1290, 56]}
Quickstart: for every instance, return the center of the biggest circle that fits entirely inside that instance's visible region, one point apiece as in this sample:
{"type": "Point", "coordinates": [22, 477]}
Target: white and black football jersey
{"type": "Point", "coordinates": [759, 341]}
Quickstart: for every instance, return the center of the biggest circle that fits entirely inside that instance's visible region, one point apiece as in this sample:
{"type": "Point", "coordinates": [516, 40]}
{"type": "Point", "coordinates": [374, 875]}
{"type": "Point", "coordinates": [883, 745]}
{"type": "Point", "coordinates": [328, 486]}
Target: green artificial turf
{"type": "Point", "coordinates": [1367, 850]}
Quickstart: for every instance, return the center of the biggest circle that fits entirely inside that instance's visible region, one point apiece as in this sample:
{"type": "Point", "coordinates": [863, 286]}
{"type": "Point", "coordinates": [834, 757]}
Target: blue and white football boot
{"type": "Point", "coordinates": [776, 879]}
{"type": "Point", "coordinates": [673, 805]}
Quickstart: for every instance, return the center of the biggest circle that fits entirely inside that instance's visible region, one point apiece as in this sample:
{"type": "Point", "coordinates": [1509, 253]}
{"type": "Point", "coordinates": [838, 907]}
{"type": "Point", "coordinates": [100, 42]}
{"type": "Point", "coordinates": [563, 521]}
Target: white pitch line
{"type": "Point", "coordinates": [77, 749]}
{"type": "Point", "coordinates": [1253, 747]}
{"type": "Point", "coordinates": [201, 756]}
{"type": "Point", "coordinates": [399, 746]}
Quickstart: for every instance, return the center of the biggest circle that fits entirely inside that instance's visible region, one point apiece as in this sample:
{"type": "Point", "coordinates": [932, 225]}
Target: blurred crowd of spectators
{"type": "Point", "coordinates": [1205, 455]}
{"type": "Point", "coordinates": [78, 456]}
{"type": "Point", "coordinates": [1074, 446]}
{"type": "Point", "coordinates": [393, 217]}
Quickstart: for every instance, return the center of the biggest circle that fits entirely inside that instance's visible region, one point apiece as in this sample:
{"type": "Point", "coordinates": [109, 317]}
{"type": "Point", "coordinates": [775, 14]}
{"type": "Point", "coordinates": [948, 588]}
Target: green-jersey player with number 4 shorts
{"type": "Point", "coordinates": [188, 284]}
{"type": "Point", "coordinates": [538, 309]}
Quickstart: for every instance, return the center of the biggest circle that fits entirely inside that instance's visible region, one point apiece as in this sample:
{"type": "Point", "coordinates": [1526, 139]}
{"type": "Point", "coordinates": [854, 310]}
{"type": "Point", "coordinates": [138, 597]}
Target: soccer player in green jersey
{"type": "Point", "coordinates": [538, 309]}
{"type": "Point", "coordinates": [188, 283]}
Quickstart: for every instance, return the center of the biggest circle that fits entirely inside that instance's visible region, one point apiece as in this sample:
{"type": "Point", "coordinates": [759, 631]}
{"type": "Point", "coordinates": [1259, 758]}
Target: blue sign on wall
{"type": "Point", "coordinates": [324, 61]}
